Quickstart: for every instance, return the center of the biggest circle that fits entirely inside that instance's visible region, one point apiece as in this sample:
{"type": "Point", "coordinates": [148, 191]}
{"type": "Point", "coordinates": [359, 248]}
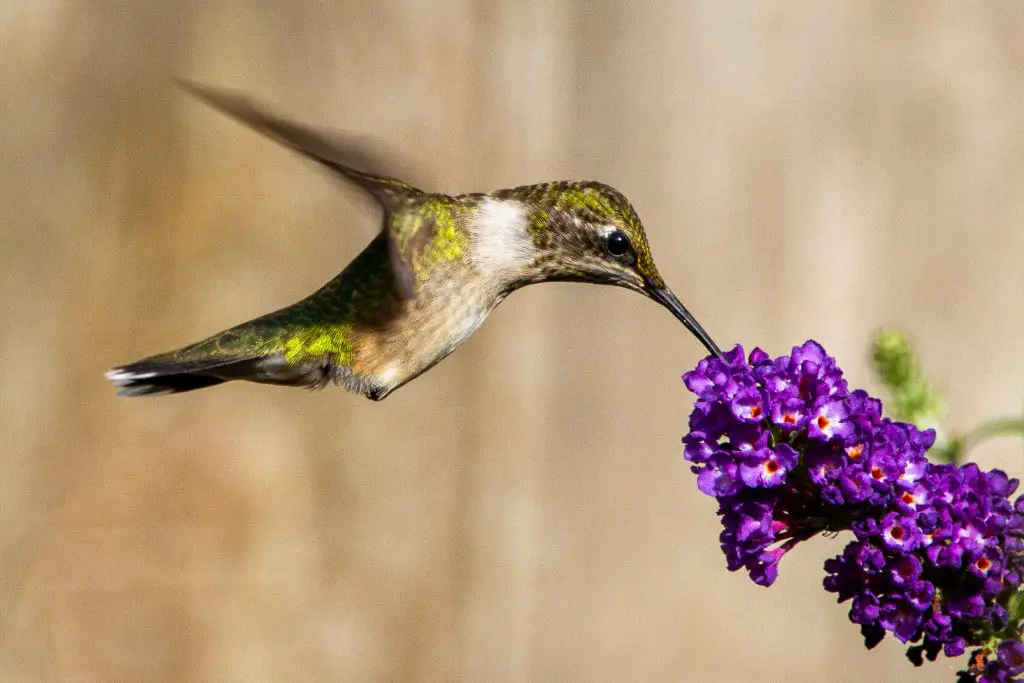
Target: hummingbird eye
{"type": "Point", "coordinates": [617, 243]}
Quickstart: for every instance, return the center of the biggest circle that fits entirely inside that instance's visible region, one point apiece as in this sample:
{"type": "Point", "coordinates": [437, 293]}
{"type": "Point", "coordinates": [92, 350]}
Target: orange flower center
{"type": "Point", "coordinates": [908, 498]}
{"type": "Point", "coordinates": [876, 472]}
{"type": "Point", "coordinates": [855, 452]}
{"type": "Point", "coordinates": [823, 422]}
{"type": "Point", "coordinates": [771, 467]}
{"type": "Point", "coordinates": [789, 419]}
{"type": "Point", "coordinates": [896, 532]}
{"type": "Point", "coordinates": [755, 411]}
{"type": "Point", "coordinates": [983, 564]}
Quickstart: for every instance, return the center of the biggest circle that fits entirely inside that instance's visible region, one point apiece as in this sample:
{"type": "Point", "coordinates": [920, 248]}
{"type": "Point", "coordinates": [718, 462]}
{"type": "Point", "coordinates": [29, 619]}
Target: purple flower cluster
{"type": "Point", "coordinates": [790, 452]}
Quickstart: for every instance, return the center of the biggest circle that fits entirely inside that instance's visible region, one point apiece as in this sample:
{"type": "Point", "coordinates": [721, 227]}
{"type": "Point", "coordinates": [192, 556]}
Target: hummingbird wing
{"type": "Point", "coordinates": [343, 156]}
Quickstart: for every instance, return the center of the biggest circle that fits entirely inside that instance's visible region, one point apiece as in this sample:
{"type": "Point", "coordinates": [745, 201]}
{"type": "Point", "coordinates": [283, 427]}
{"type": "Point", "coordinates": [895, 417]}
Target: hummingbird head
{"type": "Point", "coordinates": [589, 232]}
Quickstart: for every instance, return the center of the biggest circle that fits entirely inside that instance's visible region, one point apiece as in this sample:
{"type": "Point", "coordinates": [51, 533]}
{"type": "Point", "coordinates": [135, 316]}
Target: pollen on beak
{"type": "Point", "coordinates": [664, 296]}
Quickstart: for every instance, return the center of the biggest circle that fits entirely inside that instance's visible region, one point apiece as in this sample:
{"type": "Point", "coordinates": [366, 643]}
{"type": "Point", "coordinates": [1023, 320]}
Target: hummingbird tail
{"type": "Point", "coordinates": [177, 372]}
{"type": "Point", "coordinates": [151, 377]}
{"type": "Point", "coordinates": [265, 351]}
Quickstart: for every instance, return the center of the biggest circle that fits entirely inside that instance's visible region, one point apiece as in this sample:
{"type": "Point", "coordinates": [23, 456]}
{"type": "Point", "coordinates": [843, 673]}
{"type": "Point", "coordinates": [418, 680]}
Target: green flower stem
{"type": "Point", "coordinates": [958, 446]}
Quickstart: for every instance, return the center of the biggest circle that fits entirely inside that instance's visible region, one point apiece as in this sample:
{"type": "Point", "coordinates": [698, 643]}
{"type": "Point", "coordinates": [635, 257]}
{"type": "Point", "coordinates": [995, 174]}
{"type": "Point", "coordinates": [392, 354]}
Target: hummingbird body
{"type": "Point", "coordinates": [437, 269]}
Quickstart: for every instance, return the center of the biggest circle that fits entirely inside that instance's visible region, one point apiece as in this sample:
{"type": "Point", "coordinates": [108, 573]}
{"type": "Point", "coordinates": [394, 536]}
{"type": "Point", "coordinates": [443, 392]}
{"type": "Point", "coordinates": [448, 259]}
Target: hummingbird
{"type": "Point", "coordinates": [438, 267]}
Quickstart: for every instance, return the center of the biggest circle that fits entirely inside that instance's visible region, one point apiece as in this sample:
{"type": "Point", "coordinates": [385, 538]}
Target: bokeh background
{"type": "Point", "coordinates": [522, 512]}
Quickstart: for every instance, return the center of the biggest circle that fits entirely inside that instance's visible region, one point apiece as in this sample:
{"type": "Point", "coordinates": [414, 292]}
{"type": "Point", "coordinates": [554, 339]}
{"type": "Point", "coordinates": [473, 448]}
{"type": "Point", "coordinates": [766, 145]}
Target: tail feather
{"type": "Point", "coordinates": [140, 385]}
{"type": "Point", "coordinates": [246, 352]}
{"type": "Point", "coordinates": [151, 377]}
{"type": "Point", "coordinates": [169, 374]}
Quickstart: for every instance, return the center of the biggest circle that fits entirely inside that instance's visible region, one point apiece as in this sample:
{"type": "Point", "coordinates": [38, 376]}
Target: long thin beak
{"type": "Point", "coordinates": [666, 298]}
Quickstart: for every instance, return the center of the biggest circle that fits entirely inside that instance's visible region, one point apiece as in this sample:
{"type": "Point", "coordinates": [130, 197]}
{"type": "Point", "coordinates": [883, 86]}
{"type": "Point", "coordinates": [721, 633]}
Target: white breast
{"type": "Point", "coordinates": [501, 241]}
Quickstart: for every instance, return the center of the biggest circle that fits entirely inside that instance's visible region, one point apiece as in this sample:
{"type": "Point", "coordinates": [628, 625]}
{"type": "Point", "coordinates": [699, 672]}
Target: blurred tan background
{"type": "Point", "coordinates": [522, 512]}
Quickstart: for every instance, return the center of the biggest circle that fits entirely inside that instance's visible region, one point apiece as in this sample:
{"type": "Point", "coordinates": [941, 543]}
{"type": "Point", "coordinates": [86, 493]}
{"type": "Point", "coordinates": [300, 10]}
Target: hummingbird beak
{"type": "Point", "coordinates": [665, 297]}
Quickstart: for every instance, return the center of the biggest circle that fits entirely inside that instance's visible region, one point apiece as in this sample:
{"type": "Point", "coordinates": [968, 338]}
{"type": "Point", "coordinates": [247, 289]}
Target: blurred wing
{"type": "Point", "coordinates": [349, 158]}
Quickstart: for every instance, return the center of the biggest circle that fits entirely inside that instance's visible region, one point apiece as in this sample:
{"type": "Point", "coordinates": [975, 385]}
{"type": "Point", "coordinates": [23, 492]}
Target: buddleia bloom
{"type": "Point", "coordinates": [790, 452]}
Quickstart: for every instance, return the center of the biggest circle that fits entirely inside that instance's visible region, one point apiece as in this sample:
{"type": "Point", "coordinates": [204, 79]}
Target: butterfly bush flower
{"type": "Point", "coordinates": [790, 452]}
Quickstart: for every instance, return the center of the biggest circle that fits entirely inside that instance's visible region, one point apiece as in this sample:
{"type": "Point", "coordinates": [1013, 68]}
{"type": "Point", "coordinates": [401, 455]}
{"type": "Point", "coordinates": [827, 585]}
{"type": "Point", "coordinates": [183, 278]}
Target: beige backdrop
{"type": "Point", "coordinates": [522, 512]}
